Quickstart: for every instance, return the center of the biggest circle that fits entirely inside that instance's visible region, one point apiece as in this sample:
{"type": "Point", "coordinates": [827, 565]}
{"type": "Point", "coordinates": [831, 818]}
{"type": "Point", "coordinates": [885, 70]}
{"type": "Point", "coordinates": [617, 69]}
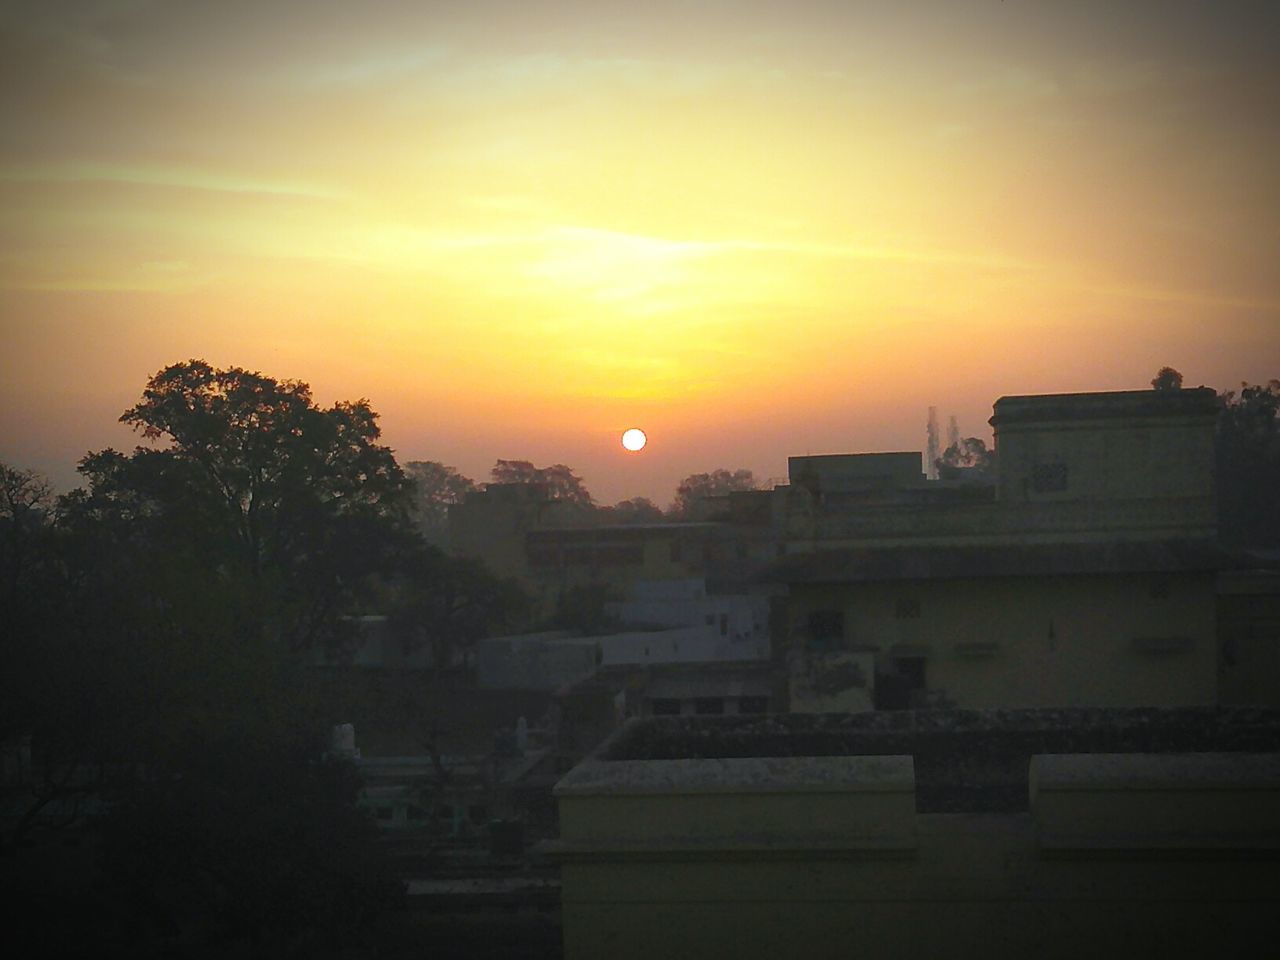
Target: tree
{"type": "Point", "coordinates": [1167, 379]}
{"type": "Point", "coordinates": [298, 504]}
{"type": "Point", "coordinates": [966, 458]}
{"type": "Point", "coordinates": [436, 488]}
{"type": "Point", "coordinates": [635, 510]}
{"type": "Point", "coordinates": [1247, 451]}
{"type": "Point", "coordinates": [560, 481]}
{"type": "Point", "coordinates": [448, 603]}
{"type": "Point", "coordinates": [699, 486]}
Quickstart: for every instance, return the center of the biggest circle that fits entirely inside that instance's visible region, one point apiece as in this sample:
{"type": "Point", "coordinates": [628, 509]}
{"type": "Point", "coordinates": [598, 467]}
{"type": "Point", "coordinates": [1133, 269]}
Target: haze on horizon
{"type": "Point", "coordinates": [751, 229]}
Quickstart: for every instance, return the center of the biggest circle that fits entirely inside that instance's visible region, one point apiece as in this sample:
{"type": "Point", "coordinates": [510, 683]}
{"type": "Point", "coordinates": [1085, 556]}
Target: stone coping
{"type": "Point", "coordinates": [840, 774]}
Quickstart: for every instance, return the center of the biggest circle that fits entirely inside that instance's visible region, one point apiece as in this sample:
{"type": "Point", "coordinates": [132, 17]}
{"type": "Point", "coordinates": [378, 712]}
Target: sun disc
{"type": "Point", "coordinates": [634, 439]}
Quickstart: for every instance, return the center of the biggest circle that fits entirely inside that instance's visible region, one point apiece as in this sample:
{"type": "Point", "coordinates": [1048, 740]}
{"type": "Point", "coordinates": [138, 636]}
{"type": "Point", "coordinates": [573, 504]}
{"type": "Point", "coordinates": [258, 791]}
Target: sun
{"type": "Point", "coordinates": [634, 439]}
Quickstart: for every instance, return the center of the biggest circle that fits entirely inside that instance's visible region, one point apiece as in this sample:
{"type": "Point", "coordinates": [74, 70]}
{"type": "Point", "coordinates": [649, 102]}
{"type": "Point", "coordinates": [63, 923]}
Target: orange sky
{"type": "Point", "coordinates": [753, 229]}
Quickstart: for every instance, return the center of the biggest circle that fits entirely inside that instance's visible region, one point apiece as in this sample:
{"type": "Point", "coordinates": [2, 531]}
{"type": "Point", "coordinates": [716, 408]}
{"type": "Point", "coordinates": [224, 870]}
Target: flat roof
{"type": "Point", "coordinates": [1193, 401]}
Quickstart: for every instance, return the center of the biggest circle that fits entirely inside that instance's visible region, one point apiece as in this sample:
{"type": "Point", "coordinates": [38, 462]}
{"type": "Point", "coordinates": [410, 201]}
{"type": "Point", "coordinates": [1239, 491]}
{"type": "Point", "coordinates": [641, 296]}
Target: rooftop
{"type": "Point", "coordinates": [1195, 401]}
{"type": "Point", "coordinates": [965, 760]}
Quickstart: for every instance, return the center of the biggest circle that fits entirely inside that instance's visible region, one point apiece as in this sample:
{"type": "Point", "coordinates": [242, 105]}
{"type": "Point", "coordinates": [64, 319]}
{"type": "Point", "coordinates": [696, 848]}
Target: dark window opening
{"type": "Point", "coordinates": [1049, 477]}
{"type": "Point", "coordinates": [707, 705]}
{"type": "Point", "coordinates": [903, 686]}
{"type": "Point", "coordinates": [826, 630]}
{"type": "Point", "coordinates": [724, 624]}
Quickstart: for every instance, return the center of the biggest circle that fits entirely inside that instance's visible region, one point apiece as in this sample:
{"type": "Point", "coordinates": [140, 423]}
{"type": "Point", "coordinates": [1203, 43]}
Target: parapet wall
{"type": "Point", "coordinates": [1113, 854]}
{"type": "Point", "coordinates": [964, 761]}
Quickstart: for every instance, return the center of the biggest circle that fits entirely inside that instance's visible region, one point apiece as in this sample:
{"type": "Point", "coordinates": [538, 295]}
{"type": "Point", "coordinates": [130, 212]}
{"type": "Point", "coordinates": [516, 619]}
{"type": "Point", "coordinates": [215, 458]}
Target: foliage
{"type": "Point", "coordinates": [240, 842]}
{"type": "Point", "coordinates": [635, 510]}
{"type": "Point", "coordinates": [560, 481]}
{"type": "Point", "coordinates": [449, 603]}
{"type": "Point", "coordinates": [299, 507]}
{"type": "Point", "coordinates": [1247, 450]}
{"type": "Point", "coordinates": [966, 458]}
{"type": "Point", "coordinates": [1167, 379]}
{"type": "Point", "coordinates": [436, 488]}
{"type": "Point", "coordinates": [700, 486]}
{"type": "Point", "coordinates": [581, 608]}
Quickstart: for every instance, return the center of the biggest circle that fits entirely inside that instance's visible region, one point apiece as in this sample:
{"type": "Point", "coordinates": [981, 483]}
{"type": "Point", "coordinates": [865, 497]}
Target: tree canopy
{"type": "Point", "coordinates": [968, 457]}
{"type": "Point", "coordinates": [634, 510]}
{"type": "Point", "coordinates": [699, 486]}
{"type": "Point", "coordinates": [1248, 465]}
{"type": "Point", "coordinates": [1167, 378]}
{"type": "Point", "coordinates": [560, 481]}
{"type": "Point", "coordinates": [436, 488]}
{"type": "Point", "coordinates": [251, 480]}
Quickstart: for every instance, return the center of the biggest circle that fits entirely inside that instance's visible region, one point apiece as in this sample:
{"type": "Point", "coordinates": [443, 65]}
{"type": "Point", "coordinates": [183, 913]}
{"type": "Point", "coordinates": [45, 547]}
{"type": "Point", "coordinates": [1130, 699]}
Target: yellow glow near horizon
{"type": "Point", "coordinates": [793, 229]}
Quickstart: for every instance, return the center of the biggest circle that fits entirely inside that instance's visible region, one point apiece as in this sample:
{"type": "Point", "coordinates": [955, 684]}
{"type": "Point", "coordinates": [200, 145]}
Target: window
{"type": "Point", "coordinates": [826, 629]}
{"type": "Point", "coordinates": [907, 608]}
{"type": "Point", "coordinates": [724, 624]}
{"type": "Point", "coordinates": [664, 707]}
{"type": "Point", "coordinates": [753, 704]}
{"type": "Point", "coordinates": [903, 686]}
{"type": "Point", "coordinates": [1049, 477]}
{"type": "Point", "coordinates": [708, 705]}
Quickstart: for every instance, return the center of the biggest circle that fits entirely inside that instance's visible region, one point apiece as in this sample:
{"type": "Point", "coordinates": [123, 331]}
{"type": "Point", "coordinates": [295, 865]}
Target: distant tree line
{"type": "Point", "coordinates": [439, 486]}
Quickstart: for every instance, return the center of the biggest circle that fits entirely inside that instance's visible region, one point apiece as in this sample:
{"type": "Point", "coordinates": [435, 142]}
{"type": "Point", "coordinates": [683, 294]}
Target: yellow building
{"type": "Point", "coordinates": [1084, 573]}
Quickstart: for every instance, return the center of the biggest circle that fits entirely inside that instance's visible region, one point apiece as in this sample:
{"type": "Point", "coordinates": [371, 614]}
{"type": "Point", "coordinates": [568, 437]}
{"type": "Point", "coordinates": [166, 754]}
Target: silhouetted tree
{"type": "Point", "coordinates": [699, 486]}
{"type": "Point", "coordinates": [1167, 379]}
{"type": "Point", "coordinates": [1248, 465]}
{"type": "Point", "coordinates": [300, 505]}
{"type": "Point", "coordinates": [436, 488]}
{"type": "Point", "coordinates": [561, 482]}
{"type": "Point", "coordinates": [968, 457]}
{"type": "Point", "coordinates": [635, 510]}
{"type": "Point", "coordinates": [448, 603]}
{"type": "Point", "coordinates": [581, 608]}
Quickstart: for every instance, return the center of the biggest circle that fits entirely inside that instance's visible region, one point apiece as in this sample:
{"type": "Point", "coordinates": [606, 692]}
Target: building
{"type": "Point", "coordinates": [1014, 833]}
{"type": "Point", "coordinates": [1085, 573]}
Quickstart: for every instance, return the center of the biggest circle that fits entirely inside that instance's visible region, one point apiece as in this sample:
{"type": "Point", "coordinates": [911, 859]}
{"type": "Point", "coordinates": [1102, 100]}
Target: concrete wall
{"type": "Point", "coordinates": [737, 618]}
{"type": "Point", "coordinates": [1128, 445]}
{"type": "Point", "coordinates": [533, 662]}
{"type": "Point", "coordinates": [1249, 626]}
{"type": "Point", "coordinates": [822, 857]}
{"type": "Point", "coordinates": [1120, 640]}
{"type": "Point", "coordinates": [678, 645]}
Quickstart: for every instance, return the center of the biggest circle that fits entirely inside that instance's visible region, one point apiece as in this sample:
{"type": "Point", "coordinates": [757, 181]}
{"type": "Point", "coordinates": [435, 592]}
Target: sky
{"type": "Point", "coordinates": [753, 229]}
